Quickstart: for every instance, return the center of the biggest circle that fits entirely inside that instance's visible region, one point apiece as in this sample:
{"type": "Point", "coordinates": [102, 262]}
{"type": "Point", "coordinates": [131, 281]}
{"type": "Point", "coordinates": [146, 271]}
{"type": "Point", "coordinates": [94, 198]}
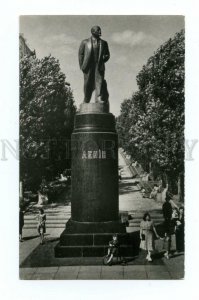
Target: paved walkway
{"type": "Point", "coordinates": [130, 200]}
{"type": "Point", "coordinates": [101, 272]}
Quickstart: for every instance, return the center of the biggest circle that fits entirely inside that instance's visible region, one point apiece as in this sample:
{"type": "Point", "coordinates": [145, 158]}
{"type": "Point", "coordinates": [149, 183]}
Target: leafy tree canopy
{"type": "Point", "coordinates": [151, 123]}
{"type": "Point", "coordinates": [46, 115]}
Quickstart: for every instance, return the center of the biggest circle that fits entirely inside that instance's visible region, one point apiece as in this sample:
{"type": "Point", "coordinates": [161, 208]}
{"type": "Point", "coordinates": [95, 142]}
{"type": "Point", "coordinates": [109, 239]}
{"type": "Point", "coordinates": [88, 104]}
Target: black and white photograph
{"type": "Point", "coordinates": [99, 155]}
{"type": "Point", "coordinates": [102, 118]}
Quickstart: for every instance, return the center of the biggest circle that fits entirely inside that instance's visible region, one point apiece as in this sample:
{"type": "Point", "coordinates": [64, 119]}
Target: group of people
{"type": "Point", "coordinates": [173, 225]}
{"type": "Point", "coordinates": [41, 225]}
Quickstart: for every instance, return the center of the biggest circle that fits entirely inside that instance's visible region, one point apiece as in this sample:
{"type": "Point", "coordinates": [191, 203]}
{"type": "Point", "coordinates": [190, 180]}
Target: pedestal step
{"type": "Point", "coordinates": [92, 239]}
{"type": "Point", "coordinates": [93, 244]}
{"type": "Point", "coordinates": [90, 251]}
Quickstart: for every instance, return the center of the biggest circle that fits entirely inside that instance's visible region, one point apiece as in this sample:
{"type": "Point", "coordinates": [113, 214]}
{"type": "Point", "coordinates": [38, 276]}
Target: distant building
{"type": "Point", "coordinates": [23, 47]}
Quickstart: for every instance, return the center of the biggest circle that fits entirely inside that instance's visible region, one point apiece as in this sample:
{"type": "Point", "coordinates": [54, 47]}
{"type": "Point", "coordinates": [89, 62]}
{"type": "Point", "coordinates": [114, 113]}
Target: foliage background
{"type": "Point", "coordinates": [46, 119]}
{"type": "Point", "coordinates": [151, 122]}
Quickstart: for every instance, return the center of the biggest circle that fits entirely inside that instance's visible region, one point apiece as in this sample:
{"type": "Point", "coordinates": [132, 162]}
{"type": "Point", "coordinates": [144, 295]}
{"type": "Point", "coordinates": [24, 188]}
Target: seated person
{"type": "Point", "coordinates": [154, 192]}
{"type": "Point", "coordinates": [143, 191]}
{"type": "Point", "coordinates": [113, 246]}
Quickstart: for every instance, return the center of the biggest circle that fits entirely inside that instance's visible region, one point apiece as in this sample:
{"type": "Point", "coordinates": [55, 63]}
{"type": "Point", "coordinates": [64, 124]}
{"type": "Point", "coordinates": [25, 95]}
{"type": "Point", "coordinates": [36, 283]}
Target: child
{"type": "Point", "coordinates": [41, 226]}
{"type": "Point", "coordinates": [113, 247]}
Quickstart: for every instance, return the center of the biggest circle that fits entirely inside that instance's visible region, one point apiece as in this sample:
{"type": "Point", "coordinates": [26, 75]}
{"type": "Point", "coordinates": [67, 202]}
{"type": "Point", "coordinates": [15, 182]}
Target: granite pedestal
{"type": "Point", "coordinates": [94, 199]}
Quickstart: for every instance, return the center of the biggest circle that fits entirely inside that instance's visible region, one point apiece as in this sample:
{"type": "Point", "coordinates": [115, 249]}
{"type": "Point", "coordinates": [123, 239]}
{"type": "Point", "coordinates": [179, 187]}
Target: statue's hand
{"type": "Point", "coordinates": [105, 58]}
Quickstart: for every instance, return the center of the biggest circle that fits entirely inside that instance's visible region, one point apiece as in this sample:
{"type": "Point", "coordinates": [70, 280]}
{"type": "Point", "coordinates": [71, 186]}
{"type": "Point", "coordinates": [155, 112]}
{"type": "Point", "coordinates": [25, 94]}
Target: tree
{"type": "Point", "coordinates": [156, 112]}
{"type": "Point", "coordinates": [46, 118]}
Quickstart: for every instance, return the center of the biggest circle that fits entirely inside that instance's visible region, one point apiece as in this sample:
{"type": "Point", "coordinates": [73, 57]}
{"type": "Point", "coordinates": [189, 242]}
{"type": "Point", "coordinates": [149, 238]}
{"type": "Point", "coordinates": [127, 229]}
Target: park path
{"type": "Point", "coordinates": [130, 198]}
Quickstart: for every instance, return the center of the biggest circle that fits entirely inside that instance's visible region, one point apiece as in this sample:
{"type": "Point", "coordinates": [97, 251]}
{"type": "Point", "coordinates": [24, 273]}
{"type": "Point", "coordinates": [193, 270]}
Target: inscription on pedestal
{"type": "Point", "coordinates": [104, 149]}
{"type": "Point", "coordinates": [94, 154]}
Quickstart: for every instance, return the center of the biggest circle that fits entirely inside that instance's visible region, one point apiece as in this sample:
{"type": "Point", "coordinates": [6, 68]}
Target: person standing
{"type": "Point", "coordinates": [167, 212]}
{"type": "Point", "coordinates": [21, 224]}
{"type": "Point", "coordinates": [179, 231]}
{"type": "Point", "coordinates": [93, 54]}
{"type": "Point", "coordinates": [41, 226]}
{"type": "Point", "coordinates": [147, 231]}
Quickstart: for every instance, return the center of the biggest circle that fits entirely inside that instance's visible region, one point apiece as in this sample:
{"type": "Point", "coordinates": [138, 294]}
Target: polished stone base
{"type": "Point", "coordinates": [90, 251]}
{"type": "Point", "coordinates": [91, 244]}
{"type": "Point", "coordinates": [73, 227]}
{"type": "Point", "coordinates": [92, 239]}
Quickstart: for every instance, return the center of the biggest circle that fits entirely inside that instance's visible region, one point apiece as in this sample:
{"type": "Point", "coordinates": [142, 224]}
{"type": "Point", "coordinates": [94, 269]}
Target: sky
{"type": "Point", "coordinates": [132, 40]}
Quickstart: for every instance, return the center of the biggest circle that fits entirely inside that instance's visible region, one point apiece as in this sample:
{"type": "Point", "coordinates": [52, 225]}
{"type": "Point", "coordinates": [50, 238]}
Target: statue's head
{"type": "Point", "coordinates": [96, 31]}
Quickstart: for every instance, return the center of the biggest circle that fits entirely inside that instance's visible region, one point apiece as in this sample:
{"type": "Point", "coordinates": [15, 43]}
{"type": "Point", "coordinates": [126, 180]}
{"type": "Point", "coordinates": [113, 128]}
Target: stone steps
{"type": "Point", "coordinates": [48, 213]}
{"type": "Point", "coordinates": [137, 224]}
{"type": "Point", "coordinates": [137, 216]}
{"type": "Point", "coordinates": [92, 239]}
{"type": "Point", "coordinates": [92, 244]}
{"type": "Point", "coordinates": [89, 251]}
{"type": "Point", "coordinates": [33, 226]}
{"type": "Point", "coordinates": [137, 219]}
{"type": "Point", "coordinates": [59, 221]}
{"type": "Point", "coordinates": [52, 222]}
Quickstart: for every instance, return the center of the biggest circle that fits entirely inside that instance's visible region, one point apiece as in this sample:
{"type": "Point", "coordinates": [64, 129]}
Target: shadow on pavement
{"type": "Point", "coordinates": [27, 238]}
{"type": "Point", "coordinates": [126, 188]}
{"type": "Point", "coordinates": [43, 256]}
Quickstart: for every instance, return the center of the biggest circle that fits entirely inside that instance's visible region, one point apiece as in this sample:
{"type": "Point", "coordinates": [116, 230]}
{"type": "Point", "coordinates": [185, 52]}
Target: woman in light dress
{"type": "Point", "coordinates": [147, 232]}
